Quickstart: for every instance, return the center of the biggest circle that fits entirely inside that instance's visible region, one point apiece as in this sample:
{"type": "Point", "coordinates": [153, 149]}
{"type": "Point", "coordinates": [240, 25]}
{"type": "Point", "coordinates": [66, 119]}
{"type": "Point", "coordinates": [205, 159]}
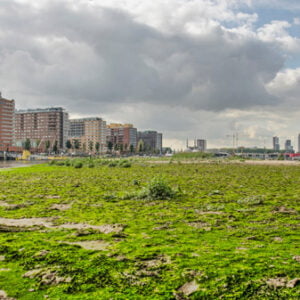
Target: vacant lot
{"type": "Point", "coordinates": [229, 231]}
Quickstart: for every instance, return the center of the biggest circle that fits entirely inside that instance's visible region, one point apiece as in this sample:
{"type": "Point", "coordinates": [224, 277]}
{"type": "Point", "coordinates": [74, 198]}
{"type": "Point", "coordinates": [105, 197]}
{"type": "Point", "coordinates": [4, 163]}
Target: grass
{"type": "Point", "coordinates": [230, 228]}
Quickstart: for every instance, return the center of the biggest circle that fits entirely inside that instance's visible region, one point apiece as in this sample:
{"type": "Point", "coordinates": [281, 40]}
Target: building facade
{"type": "Point", "coordinates": [7, 109]}
{"type": "Point", "coordinates": [276, 146]}
{"type": "Point", "coordinates": [90, 133]}
{"type": "Point", "coordinates": [122, 136]}
{"type": "Point", "coordinates": [45, 128]}
{"type": "Point", "coordinates": [288, 146]}
{"type": "Point", "coordinates": [151, 140]}
{"type": "Point", "coordinates": [201, 145]}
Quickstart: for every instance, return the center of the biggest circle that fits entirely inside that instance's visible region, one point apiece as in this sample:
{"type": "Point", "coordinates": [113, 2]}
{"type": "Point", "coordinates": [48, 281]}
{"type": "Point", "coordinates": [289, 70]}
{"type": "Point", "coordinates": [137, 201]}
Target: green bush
{"type": "Point", "coordinates": [158, 188]}
{"type": "Point", "coordinates": [112, 164]}
{"type": "Point", "coordinates": [78, 165]}
{"type": "Point", "coordinates": [67, 163]}
{"type": "Point", "coordinates": [125, 165]}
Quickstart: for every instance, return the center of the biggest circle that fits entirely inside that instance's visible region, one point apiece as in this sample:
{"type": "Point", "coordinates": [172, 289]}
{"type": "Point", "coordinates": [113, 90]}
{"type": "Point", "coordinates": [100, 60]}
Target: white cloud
{"type": "Point", "coordinates": [190, 68]}
{"type": "Point", "coordinates": [277, 32]}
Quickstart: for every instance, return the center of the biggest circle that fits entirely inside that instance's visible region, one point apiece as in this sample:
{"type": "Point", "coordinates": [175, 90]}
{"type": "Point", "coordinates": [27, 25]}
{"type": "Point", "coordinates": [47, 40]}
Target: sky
{"type": "Point", "coordinates": [187, 68]}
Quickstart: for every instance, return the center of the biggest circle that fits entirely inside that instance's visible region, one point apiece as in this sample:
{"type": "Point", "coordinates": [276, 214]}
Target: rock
{"type": "Point", "coordinates": [2, 257]}
{"type": "Point", "coordinates": [41, 253]}
{"type": "Point", "coordinates": [61, 207]}
{"type": "Point", "coordinates": [296, 258]}
{"type": "Point", "coordinates": [189, 288]}
{"type": "Point", "coordinates": [106, 228]}
{"type": "Point", "coordinates": [52, 197]}
{"type": "Point", "coordinates": [277, 282]}
{"type": "Point", "coordinates": [200, 225]}
{"type": "Point", "coordinates": [32, 273]}
{"type": "Point", "coordinates": [3, 296]}
{"type": "Point", "coordinates": [278, 239]}
{"type": "Point", "coordinates": [47, 276]}
{"type": "Point", "coordinates": [156, 262]}
{"type": "Point", "coordinates": [285, 210]}
{"type": "Point", "coordinates": [91, 245]}
{"type": "Point", "coordinates": [292, 283]}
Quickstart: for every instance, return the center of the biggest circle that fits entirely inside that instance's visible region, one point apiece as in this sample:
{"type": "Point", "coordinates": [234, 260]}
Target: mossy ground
{"type": "Point", "coordinates": [231, 229]}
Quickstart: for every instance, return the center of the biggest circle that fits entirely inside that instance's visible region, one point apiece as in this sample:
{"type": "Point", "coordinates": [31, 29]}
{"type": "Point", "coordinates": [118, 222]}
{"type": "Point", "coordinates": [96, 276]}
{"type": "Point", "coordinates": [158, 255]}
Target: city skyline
{"type": "Point", "coordinates": [199, 68]}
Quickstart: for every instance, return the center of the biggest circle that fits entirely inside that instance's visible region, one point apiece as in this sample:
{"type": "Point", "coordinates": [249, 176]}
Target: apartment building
{"type": "Point", "coordinates": [43, 127]}
{"type": "Point", "coordinates": [124, 135]}
{"type": "Point", "coordinates": [7, 109]}
{"type": "Point", "coordinates": [151, 140]}
{"type": "Point", "coordinates": [201, 145]}
{"type": "Point", "coordinates": [90, 133]}
{"type": "Point", "coordinates": [276, 146]}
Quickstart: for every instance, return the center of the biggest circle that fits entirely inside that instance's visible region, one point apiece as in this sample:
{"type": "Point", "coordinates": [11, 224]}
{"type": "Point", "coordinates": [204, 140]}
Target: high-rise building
{"type": "Point", "coordinates": [124, 135]}
{"type": "Point", "coordinates": [152, 140]}
{"type": "Point", "coordinates": [43, 127]}
{"type": "Point", "coordinates": [7, 109]}
{"type": "Point", "coordinates": [201, 145]}
{"type": "Point", "coordinates": [276, 146]}
{"type": "Point", "coordinates": [90, 132]}
{"type": "Point", "coordinates": [288, 146]}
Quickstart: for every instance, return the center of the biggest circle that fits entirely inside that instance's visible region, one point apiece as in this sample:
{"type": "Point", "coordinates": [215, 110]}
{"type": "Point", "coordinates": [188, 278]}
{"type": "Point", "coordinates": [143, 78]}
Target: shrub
{"type": "Point", "coordinates": [78, 165]}
{"type": "Point", "coordinates": [125, 165]}
{"type": "Point", "coordinates": [60, 163]}
{"type": "Point", "coordinates": [67, 163]}
{"type": "Point", "coordinates": [158, 188]}
{"type": "Point", "coordinates": [91, 165]}
{"type": "Point", "coordinates": [112, 164]}
{"type": "Point", "coordinates": [135, 182]}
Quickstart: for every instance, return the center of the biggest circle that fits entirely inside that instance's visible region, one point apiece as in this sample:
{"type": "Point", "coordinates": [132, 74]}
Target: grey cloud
{"type": "Point", "coordinates": [94, 58]}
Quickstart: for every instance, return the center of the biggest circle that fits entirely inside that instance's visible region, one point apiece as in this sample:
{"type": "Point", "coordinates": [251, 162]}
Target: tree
{"type": "Point", "coordinates": [110, 146]}
{"type": "Point", "coordinates": [97, 147]}
{"type": "Point", "coordinates": [76, 144]}
{"type": "Point", "coordinates": [47, 146]}
{"type": "Point", "coordinates": [55, 148]}
{"type": "Point", "coordinates": [91, 145]}
{"type": "Point", "coordinates": [27, 144]}
{"type": "Point", "coordinates": [121, 147]}
{"type": "Point", "coordinates": [116, 147]}
{"type": "Point", "coordinates": [131, 148]}
{"type": "Point", "coordinates": [68, 144]}
{"type": "Point", "coordinates": [140, 146]}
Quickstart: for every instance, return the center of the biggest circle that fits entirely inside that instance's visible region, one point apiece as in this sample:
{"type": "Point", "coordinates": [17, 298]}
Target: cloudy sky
{"type": "Point", "coordinates": [188, 68]}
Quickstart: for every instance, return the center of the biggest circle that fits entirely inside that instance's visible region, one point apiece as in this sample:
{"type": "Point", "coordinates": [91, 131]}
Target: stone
{"type": "Point", "coordinates": [189, 288]}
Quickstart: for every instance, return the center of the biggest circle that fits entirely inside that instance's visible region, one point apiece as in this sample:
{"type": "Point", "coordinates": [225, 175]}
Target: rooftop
{"type": "Point", "coordinates": [40, 110]}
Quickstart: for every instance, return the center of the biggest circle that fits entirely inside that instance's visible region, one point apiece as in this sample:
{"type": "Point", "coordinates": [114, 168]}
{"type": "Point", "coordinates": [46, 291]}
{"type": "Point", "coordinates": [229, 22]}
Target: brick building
{"type": "Point", "coordinates": [7, 109]}
{"type": "Point", "coordinates": [43, 127]}
{"type": "Point", "coordinates": [122, 135]}
{"type": "Point", "coordinates": [89, 132]}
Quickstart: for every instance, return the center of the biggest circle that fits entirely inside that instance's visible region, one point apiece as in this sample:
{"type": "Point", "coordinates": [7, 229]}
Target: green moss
{"type": "Point", "coordinates": [232, 228]}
